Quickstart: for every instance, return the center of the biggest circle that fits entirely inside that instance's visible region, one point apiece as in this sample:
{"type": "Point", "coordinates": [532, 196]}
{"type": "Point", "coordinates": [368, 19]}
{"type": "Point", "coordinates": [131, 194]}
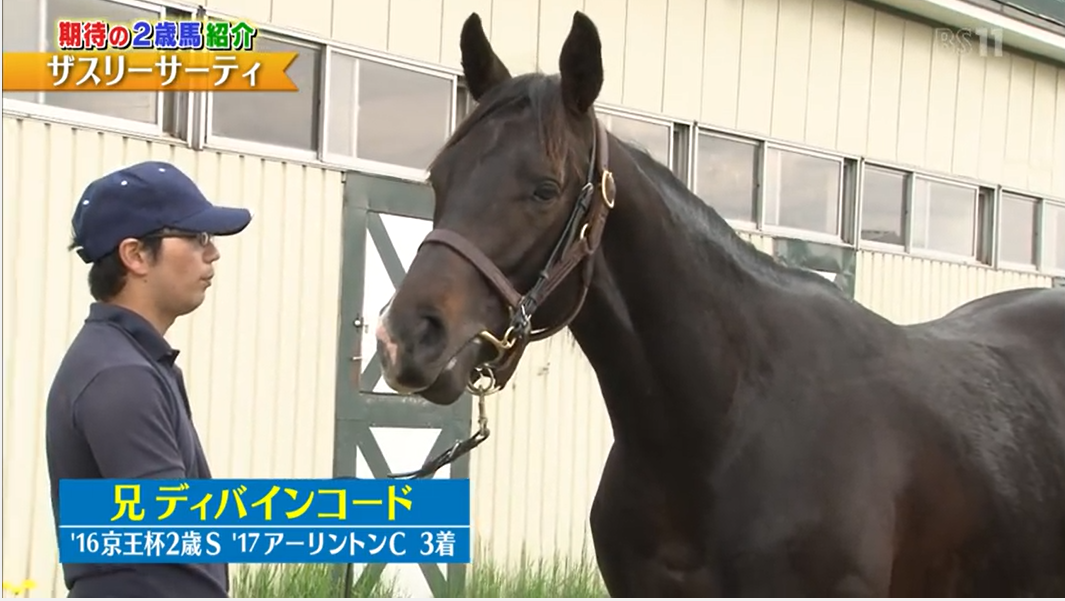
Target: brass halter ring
{"type": "Point", "coordinates": [479, 386]}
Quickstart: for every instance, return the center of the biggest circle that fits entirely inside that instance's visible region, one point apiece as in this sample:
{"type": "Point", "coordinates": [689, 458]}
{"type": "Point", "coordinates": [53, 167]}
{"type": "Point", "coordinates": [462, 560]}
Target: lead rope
{"type": "Point", "coordinates": [460, 448]}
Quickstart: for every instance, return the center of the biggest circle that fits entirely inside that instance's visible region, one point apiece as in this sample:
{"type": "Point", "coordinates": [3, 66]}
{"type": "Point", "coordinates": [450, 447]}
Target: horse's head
{"type": "Point", "coordinates": [521, 197]}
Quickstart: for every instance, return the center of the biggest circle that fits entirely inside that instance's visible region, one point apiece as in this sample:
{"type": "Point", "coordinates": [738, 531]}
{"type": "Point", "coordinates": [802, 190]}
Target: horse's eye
{"type": "Point", "coordinates": [546, 191]}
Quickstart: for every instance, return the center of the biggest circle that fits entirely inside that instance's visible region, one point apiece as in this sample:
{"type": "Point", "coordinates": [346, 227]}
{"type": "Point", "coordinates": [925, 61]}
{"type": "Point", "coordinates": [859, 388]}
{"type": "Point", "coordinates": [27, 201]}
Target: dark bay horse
{"type": "Point", "coordinates": [772, 437]}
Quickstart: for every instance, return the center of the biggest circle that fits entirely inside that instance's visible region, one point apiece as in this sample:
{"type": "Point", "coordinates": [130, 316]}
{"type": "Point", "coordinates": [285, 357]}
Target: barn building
{"type": "Point", "coordinates": [911, 151]}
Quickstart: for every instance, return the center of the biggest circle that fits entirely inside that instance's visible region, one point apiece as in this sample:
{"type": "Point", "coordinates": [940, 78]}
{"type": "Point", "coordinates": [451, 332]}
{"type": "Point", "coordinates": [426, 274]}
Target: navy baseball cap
{"type": "Point", "coordinates": [140, 199]}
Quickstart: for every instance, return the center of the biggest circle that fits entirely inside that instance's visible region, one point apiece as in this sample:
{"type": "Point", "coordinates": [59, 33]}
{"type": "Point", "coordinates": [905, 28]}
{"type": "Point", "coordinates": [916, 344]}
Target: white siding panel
{"type": "Point", "coordinates": [757, 61]}
{"type": "Point", "coordinates": [258, 356]}
{"type": "Point", "coordinates": [993, 119]}
{"type": "Point", "coordinates": [885, 74]}
{"type": "Point", "coordinates": [1059, 138]}
{"type": "Point", "coordinates": [515, 35]}
{"type": "Point", "coordinates": [1041, 151]}
{"type": "Point", "coordinates": [313, 16]}
{"type": "Point", "coordinates": [721, 62]}
{"type": "Point", "coordinates": [792, 70]}
{"type": "Point", "coordinates": [942, 102]}
{"type": "Point", "coordinates": [685, 21]}
{"type": "Point", "coordinates": [645, 55]}
{"type": "Point", "coordinates": [823, 89]}
{"type": "Point", "coordinates": [1019, 122]}
{"type": "Point", "coordinates": [363, 23]}
{"type": "Point", "coordinates": [968, 109]}
{"type": "Point", "coordinates": [414, 29]}
{"type": "Point", "coordinates": [455, 14]}
{"type": "Point", "coordinates": [852, 132]}
{"type": "Point", "coordinates": [256, 10]}
{"type": "Point", "coordinates": [913, 93]}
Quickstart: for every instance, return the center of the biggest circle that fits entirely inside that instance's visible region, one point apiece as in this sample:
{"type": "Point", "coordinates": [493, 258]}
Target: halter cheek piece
{"type": "Point", "coordinates": [579, 242]}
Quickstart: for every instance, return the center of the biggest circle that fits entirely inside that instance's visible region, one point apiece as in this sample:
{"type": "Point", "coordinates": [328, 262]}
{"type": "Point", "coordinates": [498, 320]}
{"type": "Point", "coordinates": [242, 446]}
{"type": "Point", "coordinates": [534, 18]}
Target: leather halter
{"type": "Point", "coordinates": [579, 242]}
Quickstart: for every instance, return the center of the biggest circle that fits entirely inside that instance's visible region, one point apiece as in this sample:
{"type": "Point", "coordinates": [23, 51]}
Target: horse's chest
{"type": "Point", "coordinates": [651, 537]}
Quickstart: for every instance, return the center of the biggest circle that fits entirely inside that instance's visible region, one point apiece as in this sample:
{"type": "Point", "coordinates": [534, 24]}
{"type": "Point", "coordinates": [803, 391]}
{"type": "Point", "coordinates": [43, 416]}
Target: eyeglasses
{"type": "Point", "coordinates": [201, 238]}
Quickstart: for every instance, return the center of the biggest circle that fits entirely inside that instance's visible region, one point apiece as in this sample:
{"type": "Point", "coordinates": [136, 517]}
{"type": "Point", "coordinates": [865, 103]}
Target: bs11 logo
{"type": "Point", "coordinates": [985, 41]}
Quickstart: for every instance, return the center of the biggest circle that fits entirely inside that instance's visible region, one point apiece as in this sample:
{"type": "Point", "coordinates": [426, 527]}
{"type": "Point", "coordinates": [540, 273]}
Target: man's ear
{"type": "Point", "coordinates": [135, 256]}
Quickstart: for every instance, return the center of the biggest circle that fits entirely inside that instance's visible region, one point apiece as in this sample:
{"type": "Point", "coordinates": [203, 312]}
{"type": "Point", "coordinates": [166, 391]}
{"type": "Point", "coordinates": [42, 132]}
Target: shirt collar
{"type": "Point", "coordinates": [137, 326]}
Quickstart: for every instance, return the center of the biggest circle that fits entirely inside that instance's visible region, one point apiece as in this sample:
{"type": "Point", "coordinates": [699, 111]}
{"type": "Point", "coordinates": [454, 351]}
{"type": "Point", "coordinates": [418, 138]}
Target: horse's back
{"type": "Point", "coordinates": [1035, 315]}
{"type": "Point", "coordinates": [992, 372]}
{"type": "Point", "coordinates": [1025, 327]}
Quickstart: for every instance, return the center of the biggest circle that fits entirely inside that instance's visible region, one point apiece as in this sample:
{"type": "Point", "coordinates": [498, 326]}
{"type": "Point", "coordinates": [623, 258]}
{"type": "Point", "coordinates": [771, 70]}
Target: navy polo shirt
{"type": "Point", "coordinates": [118, 409]}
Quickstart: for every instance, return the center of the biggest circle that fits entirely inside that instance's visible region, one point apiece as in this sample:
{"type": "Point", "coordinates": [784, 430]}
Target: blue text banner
{"type": "Point", "coordinates": [263, 544]}
{"type": "Point", "coordinates": [264, 502]}
{"type": "Point", "coordinates": [264, 521]}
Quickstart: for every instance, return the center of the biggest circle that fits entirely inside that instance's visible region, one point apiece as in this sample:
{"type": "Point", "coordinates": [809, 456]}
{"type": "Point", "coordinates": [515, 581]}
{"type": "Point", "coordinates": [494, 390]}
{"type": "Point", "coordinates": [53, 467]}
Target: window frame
{"type": "Point", "coordinates": [633, 115]}
{"type": "Point", "coordinates": [340, 161]}
{"type": "Point", "coordinates": [979, 221]}
{"type": "Point", "coordinates": [1037, 231]}
{"type": "Point", "coordinates": [907, 208]}
{"type": "Point", "coordinates": [758, 174]}
{"type": "Point", "coordinates": [191, 124]}
{"type": "Point", "coordinates": [1045, 258]}
{"type": "Point", "coordinates": [230, 144]}
{"type": "Point", "coordinates": [82, 118]}
{"type": "Point", "coordinates": [839, 238]}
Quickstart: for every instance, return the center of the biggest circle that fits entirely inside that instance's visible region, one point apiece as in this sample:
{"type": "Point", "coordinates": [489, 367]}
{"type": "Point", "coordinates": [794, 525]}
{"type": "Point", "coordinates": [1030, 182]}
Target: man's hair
{"type": "Point", "coordinates": [107, 276]}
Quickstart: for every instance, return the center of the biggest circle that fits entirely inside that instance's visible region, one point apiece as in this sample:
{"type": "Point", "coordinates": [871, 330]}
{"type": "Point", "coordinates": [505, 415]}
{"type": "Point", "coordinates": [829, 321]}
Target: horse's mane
{"type": "Point", "coordinates": [541, 94]}
{"type": "Point", "coordinates": [705, 226]}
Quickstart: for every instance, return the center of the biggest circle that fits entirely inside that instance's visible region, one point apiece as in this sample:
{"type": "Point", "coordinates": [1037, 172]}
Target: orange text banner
{"type": "Point", "coordinates": [147, 70]}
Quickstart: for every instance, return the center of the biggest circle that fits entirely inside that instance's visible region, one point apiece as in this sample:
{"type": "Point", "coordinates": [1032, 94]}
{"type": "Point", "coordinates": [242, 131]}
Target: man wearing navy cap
{"type": "Point", "coordinates": [117, 407]}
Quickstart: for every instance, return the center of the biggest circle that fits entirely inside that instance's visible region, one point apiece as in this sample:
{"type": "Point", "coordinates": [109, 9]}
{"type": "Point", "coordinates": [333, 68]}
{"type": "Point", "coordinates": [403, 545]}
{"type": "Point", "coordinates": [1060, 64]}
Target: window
{"type": "Point", "coordinates": [803, 191]}
{"type": "Point", "coordinates": [944, 217]}
{"type": "Point", "coordinates": [727, 175]}
{"type": "Point", "coordinates": [464, 102]}
{"type": "Point", "coordinates": [1016, 229]}
{"type": "Point", "coordinates": [31, 26]}
{"type": "Point", "coordinates": [288, 119]}
{"type": "Point", "coordinates": [386, 114]}
{"type": "Point", "coordinates": [1054, 237]}
{"type": "Point", "coordinates": [650, 136]}
{"type": "Point", "coordinates": [883, 206]}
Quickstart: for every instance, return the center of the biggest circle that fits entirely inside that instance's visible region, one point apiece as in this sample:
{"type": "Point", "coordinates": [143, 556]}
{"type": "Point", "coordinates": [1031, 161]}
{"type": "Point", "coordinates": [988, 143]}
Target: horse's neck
{"type": "Point", "coordinates": [670, 325]}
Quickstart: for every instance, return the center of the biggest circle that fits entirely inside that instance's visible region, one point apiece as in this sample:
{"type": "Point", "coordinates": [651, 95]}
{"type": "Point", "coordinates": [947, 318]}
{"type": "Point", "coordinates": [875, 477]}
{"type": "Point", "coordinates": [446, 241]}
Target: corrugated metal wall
{"type": "Point", "coordinates": [908, 289]}
{"type": "Point", "coordinates": [259, 355]}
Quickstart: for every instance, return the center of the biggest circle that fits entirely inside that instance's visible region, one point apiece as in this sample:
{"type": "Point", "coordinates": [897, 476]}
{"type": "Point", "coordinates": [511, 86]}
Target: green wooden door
{"type": "Point", "coordinates": [379, 431]}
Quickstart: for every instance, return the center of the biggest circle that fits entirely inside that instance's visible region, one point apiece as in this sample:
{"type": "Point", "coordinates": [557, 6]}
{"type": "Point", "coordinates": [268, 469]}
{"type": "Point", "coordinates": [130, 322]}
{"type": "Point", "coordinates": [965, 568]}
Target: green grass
{"type": "Point", "coordinates": [558, 577]}
{"type": "Point", "coordinates": [301, 581]}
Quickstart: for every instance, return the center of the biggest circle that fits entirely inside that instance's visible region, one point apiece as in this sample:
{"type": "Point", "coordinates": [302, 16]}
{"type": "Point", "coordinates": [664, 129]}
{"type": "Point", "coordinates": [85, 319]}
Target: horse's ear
{"type": "Point", "coordinates": [481, 66]}
{"type": "Point", "coordinates": [581, 65]}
